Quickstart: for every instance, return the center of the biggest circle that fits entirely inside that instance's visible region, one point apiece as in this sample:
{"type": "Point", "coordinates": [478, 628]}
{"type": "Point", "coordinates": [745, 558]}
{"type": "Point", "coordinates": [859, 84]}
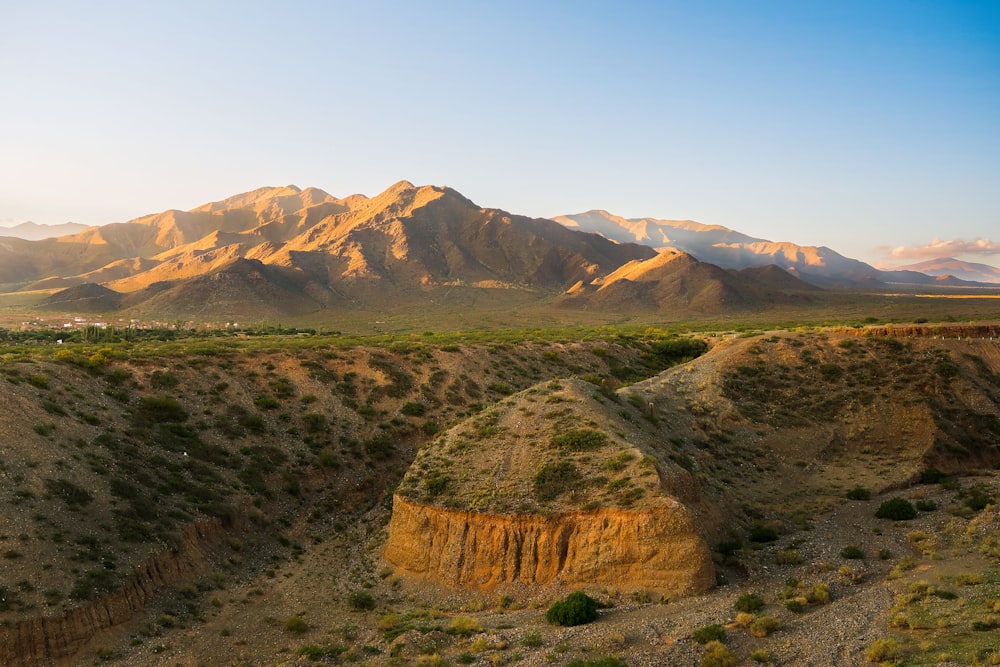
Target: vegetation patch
{"type": "Point", "coordinates": [554, 479]}
{"type": "Point", "coordinates": [577, 608]}
{"type": "Point", "coordinates": [749, 602]}
{"type": "Point", "coordinates": [896, 509]}
{"type": "Point", "coordinates": [580, 440]}
{"type": "Point", "coordinates": [709, 633]}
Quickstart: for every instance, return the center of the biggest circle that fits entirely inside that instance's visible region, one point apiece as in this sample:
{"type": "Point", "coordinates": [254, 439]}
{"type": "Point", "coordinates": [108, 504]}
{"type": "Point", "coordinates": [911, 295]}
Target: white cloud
{"type": "Point", "coordinates": [938, 248]}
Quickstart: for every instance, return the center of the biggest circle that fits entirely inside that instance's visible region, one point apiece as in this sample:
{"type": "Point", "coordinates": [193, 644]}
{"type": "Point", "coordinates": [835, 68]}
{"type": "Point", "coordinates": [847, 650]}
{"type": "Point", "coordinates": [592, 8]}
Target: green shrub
{"type": "Point", "coordinates": [884, 651]}
{"type": "Point", "coordinates": [265, 402]}
{"type": "Point", "coordinates": [413, 409]}
{"type": "Point", "coordinates": [163, 380]}
{"type": "Point", "coordinates": [315, 422]}
{"type": "Point", "coordinates": [580, 440]}
{"type": "Point", "coordinates": [295, 624]}
{"type": "Point", "coordinates": [831, 372]}
{"type": "Point", "coordinates": [311, 651]}
{"type": "Point", "coordinates": [44, 430]}
{"type": "Point", "coordinates": [762, 533]}
{"type": "Point", "coordinates": [380, 447]}
{"type": "Point", "coordinates": [764, 625]}
{"type": "Point", "coordinates": [709, 633]}
{"type": "Point", "coordinates": [464, 626]}
{"type": "Point", "coordinates": [788, 557]}
{"type": "Point", "coordinates": [532, 640]}
{"type": "Point", "coordinates": [749, 602]}
{"type": "Point", "coordinates": [820, 594]}
{"type": "Point", "coordinates": [576, 609]}
{"type": "Point", "coordinates": [158, 410]}
{"type": "Point", "coordinates": [435, 484]}
{"type": "Point", "coordinates": [282, 387]}
{"type": "Point", "coordinates": [53, 408]}
{"type": "Point", "coordinates": [990, 623]}
{"type": "Point", "coordinates": [977, 497]}
{"type": "Point", "coordinates": [859, 493]}
{"type": "Point", "coordinates": [717, 655]}
{"type": "Point", "coordinates": [361, 601]}
{"type": "Point", "coordinates": [852, 552]}
{"type": "Point", "coordinates": [896, 509]}
{"type": "Point", "coordinates": [925, 505]}
{"type": "Point", "coordinates": [554, 479]}
{"type": "Point", "coordinates": [794, 605]}
{"type": "Point", "coordinates": [618, 462]}
{"type": "Point", "coordinates": [70, 493]}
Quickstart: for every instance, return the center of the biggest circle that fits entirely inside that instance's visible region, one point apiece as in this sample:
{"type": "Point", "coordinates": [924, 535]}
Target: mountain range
{"type": "Point", "coordinates": [724, 247]}
{"type": "Point", "coordinates": [280, 251]}
{"type": "Point", "coordinates": [949, 266]}
{"type": "Point", "coordinates": [32, 231]}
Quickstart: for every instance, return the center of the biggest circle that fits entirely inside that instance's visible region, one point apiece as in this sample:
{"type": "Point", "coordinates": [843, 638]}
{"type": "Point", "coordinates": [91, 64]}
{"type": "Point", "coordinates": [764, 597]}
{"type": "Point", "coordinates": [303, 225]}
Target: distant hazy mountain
{"type": "Point", "coordinates": [722, 246]}
{"type": "Point", "coordinates": [32, 231]}
{"type": "Point", "coordinates": [677, 282]}
{"type": "Point", "coordinates": [949, 266]}
{"type": "Point", "coordinates": [733, 250]}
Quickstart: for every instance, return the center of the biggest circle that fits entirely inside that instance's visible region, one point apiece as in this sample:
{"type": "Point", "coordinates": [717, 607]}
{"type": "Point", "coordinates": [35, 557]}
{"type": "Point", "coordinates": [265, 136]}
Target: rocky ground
{"type": "Point", "coordinates": [308, 584]}
{"type": "Point", "coordinates": [414, 625]}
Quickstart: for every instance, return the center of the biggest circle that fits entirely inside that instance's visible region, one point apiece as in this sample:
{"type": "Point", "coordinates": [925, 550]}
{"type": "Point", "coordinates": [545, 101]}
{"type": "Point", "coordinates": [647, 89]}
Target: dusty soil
{"type": "Point", "coordinates": [640, 633]}
{"type": "Point", "coordinates": [296, 579]}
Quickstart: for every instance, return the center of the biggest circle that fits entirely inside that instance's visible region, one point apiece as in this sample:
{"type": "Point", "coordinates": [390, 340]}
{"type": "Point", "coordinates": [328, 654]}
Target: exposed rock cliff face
{"type": "Point", "coordinates": [585, 494]}
{"type": "Point", "coordinates": [58, 640]}
{"type": "Point", "coordinates": [655, 548]}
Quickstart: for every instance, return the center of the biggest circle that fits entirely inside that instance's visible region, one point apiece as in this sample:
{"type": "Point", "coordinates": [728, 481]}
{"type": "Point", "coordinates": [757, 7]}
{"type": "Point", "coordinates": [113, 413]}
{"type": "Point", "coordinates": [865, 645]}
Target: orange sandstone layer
{"type": "Point", "coordinates": [53, 641]}
{"type": "Point", "coordinates": [656, 549]}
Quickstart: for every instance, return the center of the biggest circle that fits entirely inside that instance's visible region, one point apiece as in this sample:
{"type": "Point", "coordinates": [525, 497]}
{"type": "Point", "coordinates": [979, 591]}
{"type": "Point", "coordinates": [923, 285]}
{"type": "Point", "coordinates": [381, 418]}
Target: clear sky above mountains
{"type": "Point", "coordinates": [855, 125]}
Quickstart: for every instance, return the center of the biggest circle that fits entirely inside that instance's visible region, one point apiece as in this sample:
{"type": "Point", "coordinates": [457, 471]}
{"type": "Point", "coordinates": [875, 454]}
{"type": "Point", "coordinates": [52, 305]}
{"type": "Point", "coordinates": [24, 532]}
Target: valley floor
{"type": "Point", "coordinates": [870, 599]}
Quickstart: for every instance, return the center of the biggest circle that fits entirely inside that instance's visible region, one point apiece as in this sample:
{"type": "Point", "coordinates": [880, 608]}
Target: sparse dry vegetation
{"type": "Point", "coordinates": [276, 463]}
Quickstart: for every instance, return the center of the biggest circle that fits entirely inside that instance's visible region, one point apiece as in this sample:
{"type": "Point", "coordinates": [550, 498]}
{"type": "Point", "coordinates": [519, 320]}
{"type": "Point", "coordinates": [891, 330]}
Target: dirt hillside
{"type": "Point", "coordinates": [222, 502]}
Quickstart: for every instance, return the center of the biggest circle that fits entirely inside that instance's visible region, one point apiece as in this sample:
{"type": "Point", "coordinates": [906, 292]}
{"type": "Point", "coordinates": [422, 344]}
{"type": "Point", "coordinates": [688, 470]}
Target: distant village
{"type": "Point", "coordinates": [76, 322]}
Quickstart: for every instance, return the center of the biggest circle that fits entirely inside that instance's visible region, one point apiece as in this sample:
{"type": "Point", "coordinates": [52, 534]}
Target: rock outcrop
{"type": "Point", "coordinates": [58, 640]}
{"type": "Point", "coordinates": [655, 548]}
{"type": "Point", "coordinates": [586, 493]}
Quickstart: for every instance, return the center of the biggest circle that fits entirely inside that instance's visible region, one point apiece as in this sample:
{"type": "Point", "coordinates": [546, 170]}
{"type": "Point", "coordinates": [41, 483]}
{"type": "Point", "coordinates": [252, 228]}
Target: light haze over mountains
{"type": "Point", "coordinates": [294, 251]}
{"type": "Point", "coordinates": [32, 231]}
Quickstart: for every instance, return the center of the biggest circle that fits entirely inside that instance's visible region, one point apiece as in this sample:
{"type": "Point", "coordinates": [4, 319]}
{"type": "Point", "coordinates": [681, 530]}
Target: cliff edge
{"type": "Point", "coordinates": [562, 484]}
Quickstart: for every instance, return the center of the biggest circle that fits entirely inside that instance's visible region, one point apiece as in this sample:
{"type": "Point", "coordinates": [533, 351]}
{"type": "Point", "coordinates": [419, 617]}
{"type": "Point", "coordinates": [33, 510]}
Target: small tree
{"type": "Point", "coordinates": [578, 608]}
{"type": "Point", "coordinates": [896, 509]}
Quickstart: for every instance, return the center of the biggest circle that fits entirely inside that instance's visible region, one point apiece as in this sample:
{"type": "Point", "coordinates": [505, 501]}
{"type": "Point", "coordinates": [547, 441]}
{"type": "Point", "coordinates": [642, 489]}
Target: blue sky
{"type": "Point", "coordinates": [855, 125]}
